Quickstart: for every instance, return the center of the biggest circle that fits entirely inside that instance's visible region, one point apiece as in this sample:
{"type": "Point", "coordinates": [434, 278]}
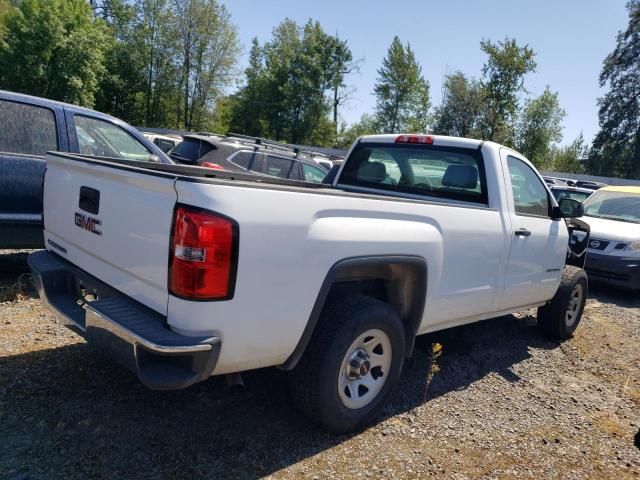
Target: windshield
{"type": "Point", "coordinates": [622, 206]}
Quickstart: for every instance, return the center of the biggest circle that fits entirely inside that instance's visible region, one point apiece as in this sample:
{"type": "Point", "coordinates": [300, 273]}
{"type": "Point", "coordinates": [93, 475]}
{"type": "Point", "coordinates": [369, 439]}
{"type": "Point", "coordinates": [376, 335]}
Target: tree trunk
{"type": "Point", "coordinates": [152, 47]}
{"type": "Point", "coordinates": [635, 161]}
{"type": "Point", "coordinates": [336, 102]}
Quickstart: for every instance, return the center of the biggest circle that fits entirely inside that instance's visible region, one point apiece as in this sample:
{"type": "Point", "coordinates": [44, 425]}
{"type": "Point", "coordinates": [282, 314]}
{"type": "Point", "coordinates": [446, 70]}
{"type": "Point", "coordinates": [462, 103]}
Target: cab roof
{"type": "Point", "coordinates": [441, 140]}
{"type": "Point", "coordinates": [621, 189]}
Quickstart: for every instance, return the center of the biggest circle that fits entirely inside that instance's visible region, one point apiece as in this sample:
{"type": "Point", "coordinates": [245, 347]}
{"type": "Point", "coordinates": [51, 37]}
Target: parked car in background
{"type": "Point", "coordinates": [243, 155]}
{"type": "Point", "coordinates": [555, 181]}
{"type": "Point", "coordinates": [580, 194]}
{"type": "Point", "coordinates": [29, 128]}
{"type": "Point", "coordinates": [590, 184]}
{"type": "Point", "coordinates": [163, 142]}
{"type": "Point", "coordinates": [613, 213]}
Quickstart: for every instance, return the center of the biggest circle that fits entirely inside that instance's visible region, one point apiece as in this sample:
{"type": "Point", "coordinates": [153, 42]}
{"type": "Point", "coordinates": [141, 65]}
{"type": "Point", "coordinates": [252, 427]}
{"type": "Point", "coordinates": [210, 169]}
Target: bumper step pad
{"type": "Point", "coordinates": [126, 331]}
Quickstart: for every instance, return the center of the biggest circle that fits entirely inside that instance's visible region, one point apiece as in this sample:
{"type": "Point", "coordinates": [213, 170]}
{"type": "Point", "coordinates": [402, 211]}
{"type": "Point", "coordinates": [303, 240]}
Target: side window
{"type": "Point", "coordinates": [278, 166]}
{"type": "Point", "coordinates": [529, 193]}
{"type": "Point", "coordinates": [27, 129]}
{"type": "Point", "coordinates": [164, 145]}
{"type": "Point", "coordinates": [313, 174]}
{"type": "Point", "coordinates": [242, 159]}
{"type": "Point", "coordinates": [97, 137]}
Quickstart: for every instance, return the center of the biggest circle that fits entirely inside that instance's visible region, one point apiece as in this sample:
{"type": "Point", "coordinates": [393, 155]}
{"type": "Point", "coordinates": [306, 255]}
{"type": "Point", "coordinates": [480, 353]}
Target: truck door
{"type": "Point", "coordinates": [538, 243]}
{"type": "Point", "coordinates": [27, 131]}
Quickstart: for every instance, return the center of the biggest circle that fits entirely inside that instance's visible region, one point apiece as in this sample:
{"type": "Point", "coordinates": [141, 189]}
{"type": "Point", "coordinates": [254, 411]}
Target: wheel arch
{"type": "Point", "coordinates": [401, 281]}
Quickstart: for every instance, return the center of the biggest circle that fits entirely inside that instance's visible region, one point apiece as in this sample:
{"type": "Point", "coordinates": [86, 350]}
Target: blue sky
{"type": "Point", "coordinates": [570, 37]}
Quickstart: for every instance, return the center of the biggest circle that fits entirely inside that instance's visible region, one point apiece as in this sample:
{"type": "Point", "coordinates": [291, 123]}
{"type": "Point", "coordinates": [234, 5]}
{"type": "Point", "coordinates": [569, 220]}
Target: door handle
{"type": "Point", "coordinates": [523, 232]}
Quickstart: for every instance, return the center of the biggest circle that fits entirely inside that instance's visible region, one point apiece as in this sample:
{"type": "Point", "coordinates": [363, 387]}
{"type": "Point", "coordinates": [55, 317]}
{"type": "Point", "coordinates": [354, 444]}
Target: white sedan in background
{"type": "Point", "coordinates": [613, 213]}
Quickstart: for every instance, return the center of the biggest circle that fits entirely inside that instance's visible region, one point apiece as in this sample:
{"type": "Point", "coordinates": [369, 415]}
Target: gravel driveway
{"type": "Point", "coordinates": [507, 403]}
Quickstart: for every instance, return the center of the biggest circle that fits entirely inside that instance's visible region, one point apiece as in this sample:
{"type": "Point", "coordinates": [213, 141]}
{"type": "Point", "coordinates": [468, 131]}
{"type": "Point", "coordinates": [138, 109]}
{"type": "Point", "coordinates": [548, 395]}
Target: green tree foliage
{"type": "Point", "coordinates": [342, 64]}
{"type": "Point", "coordinates": [52, 48]}
{"type": "Point", "coordinates": [292, 83]}
{"type": "Point", "coordinates": [462, 112]}
{"type": "Point", "coordinates": [5, 6]}
{"type": "Point", "coordinates": [248, 109]}
{"type": "Point", "coordinates": [123, 79]}
{"type": "Point", "coordinates": [503, 80]}
{"type": "Point", "coordinates": [567, 159]}
{"type": "Point", "coordinates": [616, 147]}
{"type": "Point", "coordinates": [367, 125]}
{"type": "Point", "coordinates": [208, 47]}
{"type": "Point", "coordinates": [402, 93]}
{"type": "Point", "coordinates": [540, 126]}
{"type": "Point", "coordinates": [167, 60]}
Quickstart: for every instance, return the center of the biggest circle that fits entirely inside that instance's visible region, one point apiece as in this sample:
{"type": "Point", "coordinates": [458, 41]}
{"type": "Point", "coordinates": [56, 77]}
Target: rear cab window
{"type": "Point", "coordinates": [428, 171]}
{"type": "Point", "coordinates": [27, 129]}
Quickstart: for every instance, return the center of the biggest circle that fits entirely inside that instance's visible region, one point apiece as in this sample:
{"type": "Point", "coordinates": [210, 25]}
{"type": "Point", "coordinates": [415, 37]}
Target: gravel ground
{"type": "Point", "coordinates": [506, 403]}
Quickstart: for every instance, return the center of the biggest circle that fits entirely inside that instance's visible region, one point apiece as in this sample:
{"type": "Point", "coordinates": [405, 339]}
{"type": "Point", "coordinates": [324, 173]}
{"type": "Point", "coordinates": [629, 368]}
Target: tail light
{"type": "Point", "coordinates": [423, 139]}
{"type": "Point", "coordinates": [214, 166]}
{"type": "Point", "coordinates": [204, 255]}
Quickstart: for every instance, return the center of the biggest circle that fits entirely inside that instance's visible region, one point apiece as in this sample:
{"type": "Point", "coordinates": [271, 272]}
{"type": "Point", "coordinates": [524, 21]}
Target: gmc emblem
{"type": "Point", "coordinates": [88, 223]}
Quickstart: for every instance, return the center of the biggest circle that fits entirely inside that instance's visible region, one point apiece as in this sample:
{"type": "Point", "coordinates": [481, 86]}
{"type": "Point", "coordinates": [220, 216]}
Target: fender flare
{"type": "Point", "coordinates": [407, 271]}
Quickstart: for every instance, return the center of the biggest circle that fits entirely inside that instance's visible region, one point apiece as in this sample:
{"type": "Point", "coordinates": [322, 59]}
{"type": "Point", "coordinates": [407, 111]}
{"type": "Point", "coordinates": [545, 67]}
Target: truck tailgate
{"type": "Point", "coordinates": [112, 223]}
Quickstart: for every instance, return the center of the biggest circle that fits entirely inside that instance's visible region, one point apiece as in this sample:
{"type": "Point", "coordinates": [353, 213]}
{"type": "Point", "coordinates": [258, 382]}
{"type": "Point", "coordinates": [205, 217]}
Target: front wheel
{"type": "Point", "coordinates": [560, 317]}
{"type": "Point", "coordinates": [351, 365]}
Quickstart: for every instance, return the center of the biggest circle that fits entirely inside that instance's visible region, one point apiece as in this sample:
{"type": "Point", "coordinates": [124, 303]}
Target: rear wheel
{"type": "Point", "coordinates": [560, 317]}
{"type": "Point", "coordinates": [351, 365]}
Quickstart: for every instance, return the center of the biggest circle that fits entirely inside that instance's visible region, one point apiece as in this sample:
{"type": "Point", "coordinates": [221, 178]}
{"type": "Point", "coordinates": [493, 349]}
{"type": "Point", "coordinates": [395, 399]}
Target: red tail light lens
{"type": "Point", "coordinates": [214, 166]}
{"type": "Point", "coordinates": [424, 139]}
{"type": "Point", "coordinates": [204, 255]}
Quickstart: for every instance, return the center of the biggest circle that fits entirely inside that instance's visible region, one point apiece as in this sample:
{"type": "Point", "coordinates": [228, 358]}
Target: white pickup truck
{"type": "Point", "coordinates": [182, 273]}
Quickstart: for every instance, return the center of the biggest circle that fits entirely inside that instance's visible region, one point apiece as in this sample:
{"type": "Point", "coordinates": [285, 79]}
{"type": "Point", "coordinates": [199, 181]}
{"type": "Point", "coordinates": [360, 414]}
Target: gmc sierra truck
{"type": "Point", "coordinates": [182, 273]}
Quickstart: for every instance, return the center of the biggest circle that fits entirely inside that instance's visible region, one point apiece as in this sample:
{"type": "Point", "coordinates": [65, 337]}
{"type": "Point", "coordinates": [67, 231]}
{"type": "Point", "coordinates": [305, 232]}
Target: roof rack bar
{"type": "Point", "coordinates": [281, 145]}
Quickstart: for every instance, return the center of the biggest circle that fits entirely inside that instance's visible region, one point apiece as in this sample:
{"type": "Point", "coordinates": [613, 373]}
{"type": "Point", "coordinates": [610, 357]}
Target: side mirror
{"type": "Point", "coordinates": [570, 208]}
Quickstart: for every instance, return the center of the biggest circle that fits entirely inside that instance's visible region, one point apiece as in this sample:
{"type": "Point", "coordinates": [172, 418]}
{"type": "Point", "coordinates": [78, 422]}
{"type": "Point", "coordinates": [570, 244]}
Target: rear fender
{"type": "Point", "coordinates": [405, 278]}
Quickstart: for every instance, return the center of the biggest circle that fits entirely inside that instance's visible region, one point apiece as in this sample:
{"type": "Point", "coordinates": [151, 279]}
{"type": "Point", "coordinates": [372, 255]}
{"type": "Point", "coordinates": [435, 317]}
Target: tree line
{"type": "Point", "coordinates": [174, 64]}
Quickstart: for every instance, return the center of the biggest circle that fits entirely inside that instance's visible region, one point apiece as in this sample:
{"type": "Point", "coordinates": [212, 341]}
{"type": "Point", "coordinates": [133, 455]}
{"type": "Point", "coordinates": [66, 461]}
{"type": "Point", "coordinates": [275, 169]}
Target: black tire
{"type": "Point", "coordinates": [314, 381]}
{"type": "Point", "coordinates": [553, 318]}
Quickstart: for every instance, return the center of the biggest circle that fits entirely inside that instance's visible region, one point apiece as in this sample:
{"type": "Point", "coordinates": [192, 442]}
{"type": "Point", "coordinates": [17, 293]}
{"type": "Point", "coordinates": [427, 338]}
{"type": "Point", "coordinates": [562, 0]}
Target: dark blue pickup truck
{"type": "Point", "coordinates": [30, 127]}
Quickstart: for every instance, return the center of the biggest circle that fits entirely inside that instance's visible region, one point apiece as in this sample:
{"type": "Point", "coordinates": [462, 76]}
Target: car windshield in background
{"type": "Point", "coordinates": [572, 194]}
{"type": "Point", "coordinates": [622, 206]}
{"type": "Point", "coordinates": [433, 172]}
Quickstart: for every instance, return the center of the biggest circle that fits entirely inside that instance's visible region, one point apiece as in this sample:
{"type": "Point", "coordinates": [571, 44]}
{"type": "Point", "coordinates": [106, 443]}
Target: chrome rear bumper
{"type": "Point", "coordinates": [122, 328]}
